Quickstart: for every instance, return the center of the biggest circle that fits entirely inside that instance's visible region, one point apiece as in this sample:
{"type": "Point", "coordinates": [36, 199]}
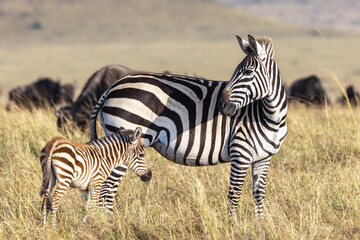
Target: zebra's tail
{"type": "Point", "coordinates": [45, 160]}
{"type": "Point", "coordinates": [94, 114]}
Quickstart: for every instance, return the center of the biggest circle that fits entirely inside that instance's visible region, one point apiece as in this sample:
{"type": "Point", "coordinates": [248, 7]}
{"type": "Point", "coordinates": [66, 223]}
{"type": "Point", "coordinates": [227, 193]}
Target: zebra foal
{"type": "Point", "coordinates": [86, 166]}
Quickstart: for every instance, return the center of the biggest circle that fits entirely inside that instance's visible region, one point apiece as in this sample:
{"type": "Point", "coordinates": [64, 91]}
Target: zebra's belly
{"type": "Point", "coordinates": [80, 184]}
{"type": "Point", "coordinates": [194, 157]}
{"type": "Point", "coordinates": [81, 179]}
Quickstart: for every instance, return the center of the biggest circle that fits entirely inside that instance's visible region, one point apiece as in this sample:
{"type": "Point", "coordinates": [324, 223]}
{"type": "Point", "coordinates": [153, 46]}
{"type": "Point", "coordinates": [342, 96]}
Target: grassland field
{"type": "Point", "coordinates": [312, 189]}
{"type": "Point", "coordinates": [313, 186]}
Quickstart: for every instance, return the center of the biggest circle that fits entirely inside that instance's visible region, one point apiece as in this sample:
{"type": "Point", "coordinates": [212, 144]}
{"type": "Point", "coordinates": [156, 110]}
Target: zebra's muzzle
{"type": "Point", "coordinates": [146, 177]}
{"type": "Point", "coordinates": [225, 106]}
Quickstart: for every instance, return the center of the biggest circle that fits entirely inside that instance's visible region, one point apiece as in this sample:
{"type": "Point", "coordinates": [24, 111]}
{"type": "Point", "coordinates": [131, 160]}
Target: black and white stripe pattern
{"type": "Point", "coordinates": [110, 186]}
{"type": "Point", "coordinates": [198, 122]}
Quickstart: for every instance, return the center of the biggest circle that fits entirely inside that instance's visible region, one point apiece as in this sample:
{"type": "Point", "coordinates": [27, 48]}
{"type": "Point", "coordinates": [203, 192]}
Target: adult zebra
{"type": "Point", "coordinates": [198, 122]}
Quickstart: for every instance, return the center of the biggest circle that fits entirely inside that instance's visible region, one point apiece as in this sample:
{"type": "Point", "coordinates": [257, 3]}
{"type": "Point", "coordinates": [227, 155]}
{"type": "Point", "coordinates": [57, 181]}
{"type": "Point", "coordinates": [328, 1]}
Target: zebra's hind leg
{"type": "Point", "coordinates": [84, 195]}
{"type": "Point", "coordinates": [110, 187]}
{"type": "Point", "coordinates": [85, 198]}
{"type": "Point", "coordinates": [94, 194]}
{"type": "Point", "coordinates": [46, 205]}
{"type": "Point", "coordinates": [237, 177]}
{"type": "Point", "coordinates": [60, 191]}
{"type": "Point", "coordinates": [259, 172]}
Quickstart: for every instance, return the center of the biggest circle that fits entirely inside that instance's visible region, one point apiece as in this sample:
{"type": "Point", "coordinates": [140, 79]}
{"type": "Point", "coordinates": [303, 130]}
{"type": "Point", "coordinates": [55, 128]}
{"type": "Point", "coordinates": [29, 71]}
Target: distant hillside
{"type": "Point", "coordinates": [70, 39]}
{"type": "Point", "coordinates": [81, 21]}
{"type": "Point", "coordinates": [333, 14]}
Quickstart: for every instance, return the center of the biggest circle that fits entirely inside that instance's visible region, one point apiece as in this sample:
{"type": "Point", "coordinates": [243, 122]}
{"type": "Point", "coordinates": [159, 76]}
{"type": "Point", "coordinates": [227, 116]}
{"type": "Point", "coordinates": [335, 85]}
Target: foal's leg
{"type": "Point", "coordinates": [63, 185]}
{"type": "Point", "coordinates": [46, 206]}
{"type": "Point", "coordinates": [94, 194]}
{"type": "Point", "coordinates": [85, 195]}
{"type": "Point", "coordinates": [110, 187]}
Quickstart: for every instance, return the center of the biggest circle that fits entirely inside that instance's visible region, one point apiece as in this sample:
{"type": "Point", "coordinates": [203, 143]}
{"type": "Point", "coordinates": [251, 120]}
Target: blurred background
{"type": "Point", "coordinates": [71, 39]}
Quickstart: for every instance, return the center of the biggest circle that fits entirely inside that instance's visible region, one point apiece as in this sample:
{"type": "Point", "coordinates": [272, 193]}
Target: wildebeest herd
{"type": "Point", "coordinates": [78, 113]}
{"type": "Point", "coordinates": [191, 121]}
{"type": "Point", "coordinates": [46, 92]}
{"type": "Point", "coordinates": [40, 94]}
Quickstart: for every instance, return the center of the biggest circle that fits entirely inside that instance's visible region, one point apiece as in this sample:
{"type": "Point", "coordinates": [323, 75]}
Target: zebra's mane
{"type": "Point", "coordinates": [266, 43]}
{"type": "Point", "coordinates": [123, 135]}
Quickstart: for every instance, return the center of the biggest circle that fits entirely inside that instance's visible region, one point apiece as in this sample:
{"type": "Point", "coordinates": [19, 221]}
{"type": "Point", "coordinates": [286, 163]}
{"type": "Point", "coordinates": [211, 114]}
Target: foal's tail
{"type": "Point", "coordinates": [45, 160]}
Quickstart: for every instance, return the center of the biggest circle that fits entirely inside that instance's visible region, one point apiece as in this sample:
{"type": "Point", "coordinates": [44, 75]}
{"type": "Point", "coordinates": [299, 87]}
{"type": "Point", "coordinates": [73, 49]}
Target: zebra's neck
{"type": "Point", "coordinates": [274, 106]}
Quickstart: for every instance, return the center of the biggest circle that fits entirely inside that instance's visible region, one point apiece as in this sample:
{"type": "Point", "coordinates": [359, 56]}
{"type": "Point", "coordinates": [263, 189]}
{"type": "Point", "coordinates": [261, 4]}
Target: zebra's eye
{"type": "Point", "coordinates": [141, 155]}
{"type": "Point", "coordinates": [247, 72]}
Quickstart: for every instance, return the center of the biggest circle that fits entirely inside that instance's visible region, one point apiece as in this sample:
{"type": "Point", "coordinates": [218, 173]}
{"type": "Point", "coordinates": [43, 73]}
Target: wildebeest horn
{"type": "Point", "coordinates": [56, 111]}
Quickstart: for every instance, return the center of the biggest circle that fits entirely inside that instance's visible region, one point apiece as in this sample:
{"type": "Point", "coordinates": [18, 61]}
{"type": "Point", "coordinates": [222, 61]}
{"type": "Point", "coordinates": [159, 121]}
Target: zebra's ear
{"type": "Point", "coordinates": [244, 45]}
{"type": "Point", "coordinates": [258, 49]}
{"type": "Point", "coordinates": [137, 135]}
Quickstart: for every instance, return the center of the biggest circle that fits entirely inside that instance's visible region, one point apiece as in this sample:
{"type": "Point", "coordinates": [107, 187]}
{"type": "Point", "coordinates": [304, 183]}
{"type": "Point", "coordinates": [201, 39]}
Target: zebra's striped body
{"type": "Point", "coordinates": [86, 166]}
{"type": "Point", "coordinates": [175, 130]}
{"type": "Point", "coordinates": [198, 122]}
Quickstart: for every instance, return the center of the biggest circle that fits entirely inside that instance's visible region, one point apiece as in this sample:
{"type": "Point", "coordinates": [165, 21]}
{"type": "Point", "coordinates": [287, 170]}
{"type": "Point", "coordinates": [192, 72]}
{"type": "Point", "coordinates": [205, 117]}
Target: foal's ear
{"type": "Point", "coordinates": [137, 135]}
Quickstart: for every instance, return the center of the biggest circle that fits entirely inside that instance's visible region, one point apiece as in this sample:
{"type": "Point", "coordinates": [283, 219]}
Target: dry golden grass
{"type": "Point", "coordinates": [313, 187]}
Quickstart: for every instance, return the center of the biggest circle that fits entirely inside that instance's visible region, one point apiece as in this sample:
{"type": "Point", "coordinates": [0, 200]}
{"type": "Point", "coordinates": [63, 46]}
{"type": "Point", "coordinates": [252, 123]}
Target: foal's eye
{"type": "Point", "coordinates": [248, 72]}
{"type": "Point", "coordinates": [141, 155]}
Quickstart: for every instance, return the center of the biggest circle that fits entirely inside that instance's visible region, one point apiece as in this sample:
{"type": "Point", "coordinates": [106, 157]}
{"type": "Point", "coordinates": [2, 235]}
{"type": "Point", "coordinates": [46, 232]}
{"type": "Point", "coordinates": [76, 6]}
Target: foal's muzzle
{"type": "Point", "coordinates": [146, 177]}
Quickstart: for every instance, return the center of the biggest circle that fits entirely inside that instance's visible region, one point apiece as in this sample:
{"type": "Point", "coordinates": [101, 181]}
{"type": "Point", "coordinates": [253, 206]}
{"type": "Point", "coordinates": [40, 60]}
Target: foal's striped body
{"type": "Point", "coordinates": [86, 166]}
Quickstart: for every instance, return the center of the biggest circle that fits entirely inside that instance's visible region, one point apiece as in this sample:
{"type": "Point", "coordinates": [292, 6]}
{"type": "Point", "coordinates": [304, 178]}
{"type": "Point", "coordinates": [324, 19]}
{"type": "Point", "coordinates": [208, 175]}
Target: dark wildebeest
{"type": "Point", "coordinates": [308, 90]}
{"type": "Point", "coordinates": [352, 94]}
{"type": "Point", "coordinates": [40, 94]}
{"type": "Point", "coordinates": [79, 112]}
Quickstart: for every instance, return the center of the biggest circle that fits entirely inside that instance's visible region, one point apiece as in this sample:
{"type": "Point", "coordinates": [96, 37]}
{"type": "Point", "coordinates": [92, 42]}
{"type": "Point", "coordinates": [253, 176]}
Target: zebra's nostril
{"type": "Point", "coordinates": [223, 105]}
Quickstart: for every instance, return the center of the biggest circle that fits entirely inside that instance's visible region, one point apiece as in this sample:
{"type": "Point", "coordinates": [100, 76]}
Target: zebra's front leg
{"type": "Point", "coordinates": [110, 187]}
{"type": "Point", "coordinates": [237, 177]}
{"type": "Point", "coordinates": [259, 172]}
